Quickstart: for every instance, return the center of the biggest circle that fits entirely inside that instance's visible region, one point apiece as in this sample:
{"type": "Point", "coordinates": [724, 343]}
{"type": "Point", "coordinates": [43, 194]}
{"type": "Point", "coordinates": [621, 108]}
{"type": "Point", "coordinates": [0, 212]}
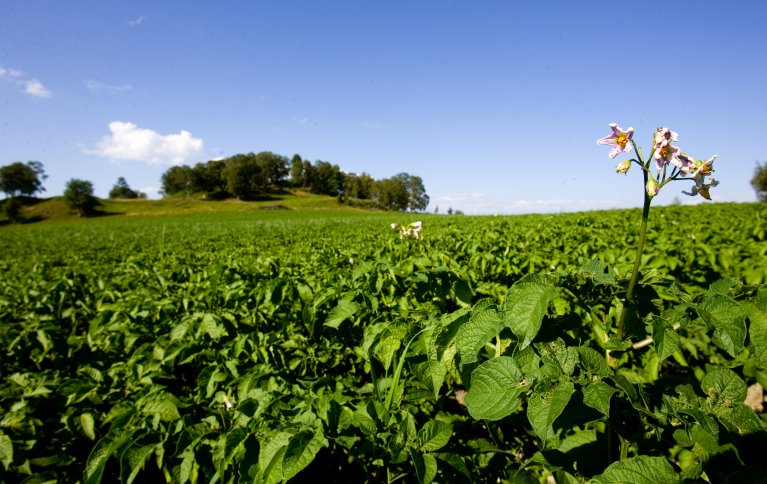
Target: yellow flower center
{"type": "Point", "coordinates": [702, 168]}
{"type": "Point", "coordinates": [622, 140]}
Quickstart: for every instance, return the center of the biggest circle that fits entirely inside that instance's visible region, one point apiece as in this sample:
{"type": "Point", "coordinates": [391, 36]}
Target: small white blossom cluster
{"type": "Point", "coordinates": [409, 230]}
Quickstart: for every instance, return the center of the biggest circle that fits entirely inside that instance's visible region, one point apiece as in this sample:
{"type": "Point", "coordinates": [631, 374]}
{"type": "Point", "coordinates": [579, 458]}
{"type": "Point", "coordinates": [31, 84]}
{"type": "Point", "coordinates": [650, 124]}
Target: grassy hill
{"type": "Point", "coordinates": [36, 210]}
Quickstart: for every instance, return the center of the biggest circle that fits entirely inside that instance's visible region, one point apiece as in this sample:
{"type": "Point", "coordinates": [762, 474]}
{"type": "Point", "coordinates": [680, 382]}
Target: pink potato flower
{"type": "Point", "coordinates": [702, 170]}
{"type": "Point", "coordinates": [620, 140]}
{"type": "Point", "coordinates": [664, 136]}
{"type": "Point", "coordinates": [665, 153]}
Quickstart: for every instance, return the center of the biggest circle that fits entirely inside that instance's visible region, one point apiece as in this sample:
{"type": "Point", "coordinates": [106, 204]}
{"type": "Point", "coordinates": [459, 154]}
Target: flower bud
{"type": "Point", "coordinates": [651, 187]}
{"type": "Point", "coordinates": [623, 166]}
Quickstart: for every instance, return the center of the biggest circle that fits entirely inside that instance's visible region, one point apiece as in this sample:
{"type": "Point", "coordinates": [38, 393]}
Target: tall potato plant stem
{"type": "Point", "coordinates": [635, 270]}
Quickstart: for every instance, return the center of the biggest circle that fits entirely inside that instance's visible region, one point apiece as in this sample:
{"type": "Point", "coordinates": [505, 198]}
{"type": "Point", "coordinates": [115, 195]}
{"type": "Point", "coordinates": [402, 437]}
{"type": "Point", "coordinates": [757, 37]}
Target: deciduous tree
{"type": "Point", "coordinates": [759, 181]}
{"type": "Point", "coordinates": [297, 171]}
{"type": "Point", "coordinates": [121, 189]}
{"type": "Point", "coordinates": [177, 179]}
{"type": "Point", "coordinates": [22, 178]}
{"type": "Point", "coordinates": [244, 177]}
{"type": "Point", "coordinates": [210, 178]}
{"type": "Point", "coordinates": [402, 192]}
{"type": "Point", "coordinates": [78, 196]}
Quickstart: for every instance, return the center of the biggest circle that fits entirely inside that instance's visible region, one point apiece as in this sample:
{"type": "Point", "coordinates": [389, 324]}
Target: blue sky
{"type": "Point", "coordinates": [496, 105]}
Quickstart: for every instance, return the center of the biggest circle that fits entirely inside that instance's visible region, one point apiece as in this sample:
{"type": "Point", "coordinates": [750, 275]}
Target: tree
{"type": "Point", "coordinates": [274, 167]}
{"type": "Point", "coordinates": [78, 196]}
{"type": "Point", "coordinates": [402, 192]}
{"type": "Point", "coordinates": [358, 186]}
{"type": "Point", "coordinates": [351, 185]}
{"type": "Point", "coordinates": [121, 189]}
{"type": "Point", "coordinates": [244, 177]}
{"type": "Point", "coordinates": [22, 178]}
{"type": "Point", "coordinates": [308, 174]}
{"type": "Point", "coordinates": [177, 179]}
{"type": "Point", "coordinates": [391, 194]}
{"type": "Point", "coordinates": [327, 179]}
{"type": "Point", "coordinates": [759, 182]}
{"type": "Point", "coordinates": [297, 171]}
{"type": "Point", "coordinates": [12, 209]}
{"type": "Point", "coordinates": [418, 200]}
{"type": "Point", "coordinates": [209, 178]}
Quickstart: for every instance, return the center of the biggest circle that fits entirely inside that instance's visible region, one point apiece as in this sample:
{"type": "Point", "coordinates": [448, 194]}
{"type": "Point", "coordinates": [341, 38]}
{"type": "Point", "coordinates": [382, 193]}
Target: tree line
{"type": "Point", "coordinates": [244, 176]}
{"type": "Point", "coordinates": [252, 175]}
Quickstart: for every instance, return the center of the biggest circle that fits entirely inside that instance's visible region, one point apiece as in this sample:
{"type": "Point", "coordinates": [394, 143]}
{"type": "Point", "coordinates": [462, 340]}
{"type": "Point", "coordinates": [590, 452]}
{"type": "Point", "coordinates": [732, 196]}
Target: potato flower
{"type": "Point", "coordinates": [620, 140]}
{"type": "Point", "coordinates": [409, 230]}
{"type": "Point", "coordinates": [664, 136]}
{"type": "Point", "coordinates": [415, 228]}
{"type": "Point", "coordinates": [702, 170]}
{"type": "Point", "coordinates": [688, 162]}
{"type": "Point", "coordinates": [665, 152]}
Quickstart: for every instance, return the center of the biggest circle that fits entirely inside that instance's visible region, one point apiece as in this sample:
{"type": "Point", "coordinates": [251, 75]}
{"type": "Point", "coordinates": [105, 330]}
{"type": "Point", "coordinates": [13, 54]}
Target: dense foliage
{"type": "Point", "coordinates": [234, 348]}
{"type": "Point", "coordinates": [759, 182]}
{"type": "Point", "coordinates": [12, 209]}
{"type": "Point", "coordinates": [19, 178]}
{"type": "Point", "coordinates": [122, 189]}
{"type": "Point", "coordinates": [253, 175]}
{"type": "Point", "coordinates": [78, 195]}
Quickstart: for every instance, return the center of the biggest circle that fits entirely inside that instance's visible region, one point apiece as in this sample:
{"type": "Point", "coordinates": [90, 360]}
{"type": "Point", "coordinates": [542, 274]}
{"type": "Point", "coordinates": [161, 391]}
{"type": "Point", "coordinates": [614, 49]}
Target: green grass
{"type": "Point", "coordinates": [55, 210]}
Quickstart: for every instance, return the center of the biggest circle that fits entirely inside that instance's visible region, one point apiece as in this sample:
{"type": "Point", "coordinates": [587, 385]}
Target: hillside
{"type": "Point", "coordinates": [52, 209]}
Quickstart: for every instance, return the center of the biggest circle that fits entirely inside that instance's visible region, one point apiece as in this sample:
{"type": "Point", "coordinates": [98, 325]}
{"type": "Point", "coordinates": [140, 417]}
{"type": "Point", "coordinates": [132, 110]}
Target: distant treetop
{"type": "Point", "coordinates": [20, 178]}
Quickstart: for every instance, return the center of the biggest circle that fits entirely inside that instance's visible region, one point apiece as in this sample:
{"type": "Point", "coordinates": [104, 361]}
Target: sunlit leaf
{"type": "Point", "coordinates": [526, 304]}
{"type": "Point", "coordinates": [728, 319]}
{"type": "Point", "coordinates": [483, 324]}
{"type": "Point", "coordinates": [345, 309]}
{"type": "Point", "coordinates": [597, 395]}
{"type": "Point", "coordinates": [434, 435]}
{"type": "Point", "coordinates": [543, 408]}
{"type": "Point", "coordinates": [301, 450]}
{"type": "Point", "coordinates": [637, 470]}
{"type": "Point", "coordinates": [496, 386]}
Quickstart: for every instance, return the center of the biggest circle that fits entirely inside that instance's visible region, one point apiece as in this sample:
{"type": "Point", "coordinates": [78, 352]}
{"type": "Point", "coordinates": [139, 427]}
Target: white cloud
{"type": "Point", "coordinates": [31, 86]}
{"type": "Point", "coordinates": [129, 142]}
{"type": "Point", "coordinates": [92, 85]}
{"type": "Point", "coordinates": [137, 21]}
{"type": "Point", "coordinates": [36, 88]}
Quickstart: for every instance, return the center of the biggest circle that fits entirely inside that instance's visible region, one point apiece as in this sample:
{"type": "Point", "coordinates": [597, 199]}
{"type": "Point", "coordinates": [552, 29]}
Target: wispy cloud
{"type": "Point", "coordinates": [30, 85]}
{"type": "Point", "coordinates": [137, 21]}
{"type": "Point", "coordinates": [36, 88]}
{"type": "Point", "coordinates": [129, 142]}
{"type": "Point", "coordinates": [92, 85]}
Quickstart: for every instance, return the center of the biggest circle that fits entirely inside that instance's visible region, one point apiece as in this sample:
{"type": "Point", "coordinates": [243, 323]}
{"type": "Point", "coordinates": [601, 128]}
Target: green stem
{"type": "Point", "coordinates": [637, 260]}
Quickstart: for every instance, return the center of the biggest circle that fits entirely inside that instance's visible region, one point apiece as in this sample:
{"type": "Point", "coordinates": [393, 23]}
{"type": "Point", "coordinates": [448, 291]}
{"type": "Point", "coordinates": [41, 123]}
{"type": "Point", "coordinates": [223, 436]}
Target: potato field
{"type": "Point", "coordinates": [288, 346]}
